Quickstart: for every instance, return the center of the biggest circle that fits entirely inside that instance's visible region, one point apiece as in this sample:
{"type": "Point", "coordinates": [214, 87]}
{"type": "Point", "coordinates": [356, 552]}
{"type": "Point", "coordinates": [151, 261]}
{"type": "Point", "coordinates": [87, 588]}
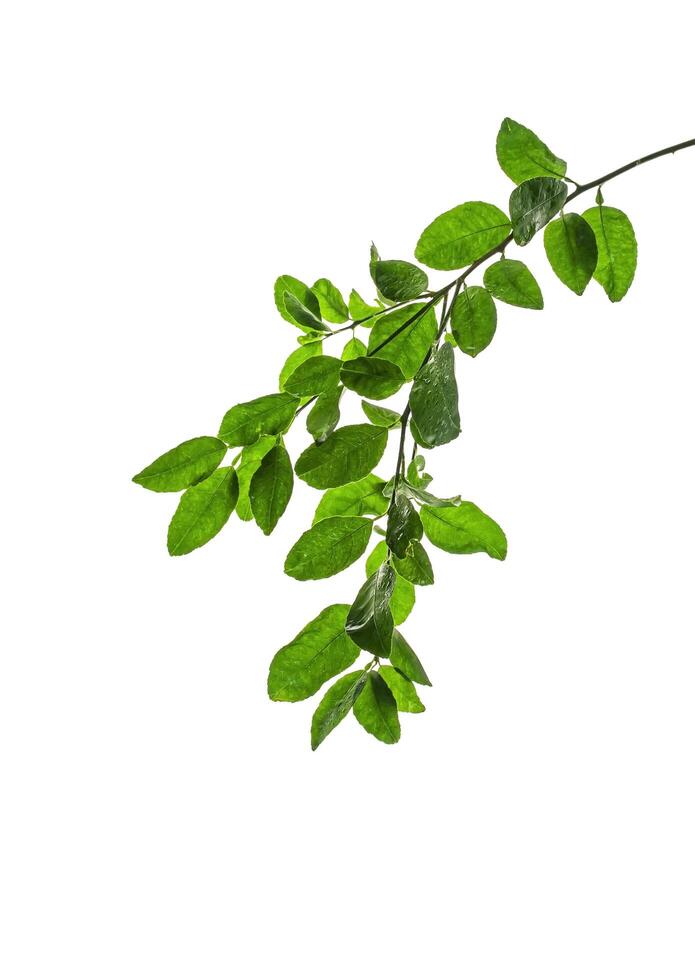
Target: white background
{"type": "Point", "coordinates": [162, 164]}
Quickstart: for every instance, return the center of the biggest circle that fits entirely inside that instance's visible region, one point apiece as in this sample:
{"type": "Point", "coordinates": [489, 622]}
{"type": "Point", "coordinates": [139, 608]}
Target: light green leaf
{"type": "Point", "coordinates": [310, 338]}
{"type": "Point", "coordinates": [370, 621]}
{"type": "Point", "coordinates": [521, 155]}
{"type": "Point", "coordinates": [315, 375]}
{"type": "Point", "coordinates": [265, 416]}
{"type": "Point", "coordinates": [570, 245]}
{"type": "Point", "coordinates": [373, 377]}
{"type": "Point", "coordinates": [406, 660]}
{"type": "Point", "coordinates": [416, 566]}
{"type": "Point", "coordinates": [297, 357]}
{"type": "Point", "coordinates": [403, 526]}
{"type": "Point", "coordinates": [409, 347]}
{"type": "Point", "coordinates": [473, 320]}
{"type": "Point", "coordinates": [532, 205]}
{"type": "Point", "coordinates": [318, 652]}
{"type": "Point", "coordinates": [511, 282]}
{"type": "Point", "coordinates": [328, 547]}
{"type": "Point", "coordinates": [331, 302]}
{"type": "Point", "coordinates": [375, 709]}
{"type": "Point", "coordinates": [335, 705]}
{"type": "Point", "coordinates": [353, 348]}
{"type": "Point", "coordinates": [462, 235]}
{"type": "Point", "coordinates": [423, 496]}
{"type": "Point", "coordinates": [403, 690]}
{"type": "Point", "coordinates": [353, 499]}
{"type": "Point", "coordinates": [301, 314]}
{"type": "Point", "coordinates": [415, 473]}
{"type": "Point", "coordinates": [183, 466]}
{"type": "Point", "coordinates": [325, 414]}
{"type": "Point", "coordinates": [464, 530]}
{"type": "Point", "coordinates": [298, 289]}
{"type": "Point", "coordinates": [617, 250]}
{"type": "Point", "coordinates": [359, 310]}
{"type": "Point", "coordinates": [434, 399]}
{"type": "Point", "coordinates": [347, 455]}
{"type": "Point", "coordinates": [251, 458]}
{"type": "Point", "coordinates": [271, 488]}
{"type": "Point", "coordinates": [378, 415]}
{"type": "Point", "coordinates": [403, 598]}
{"type": "Point", "coordinates": [203, 511]}
{"type": "Point", "coordinates": [399, 281]}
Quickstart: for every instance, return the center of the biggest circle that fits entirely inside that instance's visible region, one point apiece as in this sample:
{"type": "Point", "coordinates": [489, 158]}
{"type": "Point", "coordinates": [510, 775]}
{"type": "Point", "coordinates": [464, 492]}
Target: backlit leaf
{"type": "Point", "coordinates": [378, 415]}
{"type": "Point", "coordinates": [473, 320]}
{"type": "Point", "coordinates": [464, 530]}
{"type": "Point", "coordinates": [403, 690]}
{"type": "Point", "coordinates": [315, 375]}
{"type": "Point", "coordinates": [265, 416]}
{"type": "Point", "coordinates": [570, 245]}
{"type": "Point", "coordinates": [416, 566]}
{"type": "Point", "coordinates": [301, 314]}
{"type": "Point", "coordinates": [203, 511]}
{"type": "Point", "coordinates": [511, 282]}
{"type": "Point", "coordinates": [347, 455]}
{"type": "Point", "coordinates": [297, 357]}
{"type": "Point", "coordinates": [462, 235]}
{"type": "Point", "coordinates": [183, 466]}
{"type": "Point", "coordinates": [353, 499]}
{"type": "Point", "coordinates": [617, 250]}
{"type": "Point", "coordinates": [298, 289]}
{"type": "Point", "coordinates": [359, 310]}
{"type": "Point", "coordinates": [522, 155]}
{"type": "Point", "coordinates": [434, 399]}
{"type": "Point", "coordinates": [324, 414]}
{"type": "Point", "coordinates": [373, 377]}
{"type": "Point", "coordinates": [353, 348]}
{"type": "Point", "coordinates": [328, 547]}
{"type": "Point", "coordinates": [331, 302]}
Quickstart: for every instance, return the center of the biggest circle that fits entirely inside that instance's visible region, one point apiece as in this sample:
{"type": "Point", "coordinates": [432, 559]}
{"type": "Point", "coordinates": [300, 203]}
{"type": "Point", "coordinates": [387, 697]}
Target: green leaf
{"type": "Point", "coordinates": [406, 660]}
{"type": "Point", "coordinates": [416, 566]}
{"type": "Point", "coordinates": [399, 281]}
{"type": "Point", "coordinates": [347, 455]}
{"type": "Point", "coordinates": [311, 337]}
{"type": "Point", "coordinates": [415, 473]}
{"type": "Point", "coordinates": [298, 289]}
{"type": "Point", "coordinates": [265, 416]}
{"type": "Point", "coordinates": [301, 314]}
{"type": "Point", "coordinates": [473, 320]}
{"type": "Point", "coordinates": [464, 530]}
{"type": "Point", "coordinates": [353, 348]}
{"type": "Point", "coordinates": [251, 458]}
{"type": "Point", "coordinates": [328, 547]}
{"type": "Point", "coordinates": [403, 690]}
{"type": "Point", "coordinates": [418, 436]}
{"type": "Point", "coordinates": [434, 399]}
{"type": "Point", "coordinates": [403, 525]}
{"type": "Point", "coordinates": [353, 499]}
{"type": "Point", "coordinates": [378, 415]}
{"type": "Point", "coordinates": [403, 598]}
{"type": "Point", "coordinates": [325, 414]}
{"type": "Point", "coordinates": [335, 705]}
{"type": "Point", "coordinates": [409, 347]}
{"type": "Point", "coordinates": [374, 257]}
{"type": "Point", "coordinates": [359, 310]}
{"type": "Point", "coordinates": [425, 497]}
{"type": "Point", "coordinates": [532, 205]}
{"type": "Point", "coordinates": [511, 282]}
{"type": "Point", "coordinates": [203, 511]}
{"type": "Point", "coordinates": [297, 357]}
{"type": "Point", "coordinates": [271, 488]}
{"type": "Point", "coordinates": [183, 466]}
{"type": "Point", "coordinates": [315, 375]}
{"type": "Point", "coordinates": [331, 302]}
{"type": "Point", "coordinates": [617, 250]}
{"type": "Point", "coordinates": [370, 621]}
{"type": "Point", "coordinates": [570, 245]}
{"type": "Point", "coordinates": [462, 235]}
{"type": "Point", "coordinates": [318, 652]}
{"type": "Point", "coordinates": [522, 155]}
{"type": "Point", "coordinates": [375, 709]}
{"type": "Point", "coordinates": [373, 377]}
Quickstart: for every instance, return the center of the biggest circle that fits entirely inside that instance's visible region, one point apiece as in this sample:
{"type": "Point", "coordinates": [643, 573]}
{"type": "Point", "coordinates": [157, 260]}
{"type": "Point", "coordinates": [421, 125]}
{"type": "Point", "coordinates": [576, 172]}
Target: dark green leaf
{"type": "Point", "coordinates": [331, 302]}
{"type": "Point", "coordinates": [318, 652]}
{"type": "Point", "coordinates": [370, 621]}
{"type": "Point", "coordinates": [570, 245]}
{"type": "Point", "coordinates": [296, 358]}
{"type": "Point", "coordinates": [375, 709]}
{"type": "Point", "coordinates": [271, 488]}
{"type": "Point", "coordinates": [415, 567]}
{"type": "Point", "coordinates": [203, 511]}
{"type": "Point", "coordinates": [359, 310]}
{"type": "Point", "coordinates": [301, 314]}
{"type": "Point", "coordinates": [462, 235]}
{"type": "Point", "coordinates": [353, 348]}
{"type": "Point", "coordinates": [532, 205]}
{"type": "Point", "coordinates": [251, 459]}
{"type": "Point", "coordinates": [353, 499]}
{"type": "Point", "coordinates": [617, 250]}
{"type": "Point", "coordinates": [378, 415]}
{"type": "Point", "coordinates": [399, 281]}
{"type": "Point", "coordinates": [373, 377]}
{"type": "Point", "coordinates": [406, 660]}
{"type": "Point", "coordinates": [434, 399]}
{"type": "Point", "coordinates": [183, 466]}
{"type": "Point", "coordinates": [409, 347]}
{"type": "Point", "coordinates": [464, 530]}
{"type": "Point", "coordinates": [328, 547]}
{"type": "Point", "coordinates": [418, 436]}
{"type": "Point", "coordinates": [511, 282]}
{"type": "Point", "coordinates": [403, 525]}
{"type": "Point", "coordinates": [522, 155]}
{"type": "Point", "coordinates": [335, 705]}
{"type": "Point", "coordinates": [348, 454]}
{"type": "Point", "coordinates": [298, 289]}
{"type": "Point", "coordinates": [265, 416]}
{"type": "Point", "coordinates": [473, 320]}
{"type": "Point", "coordinates": [403, 690]}
{"type": "Point", "coordinates": [403, 598]}
{"type": "Point", "coordinates": [315, 375]}
{"type": "Point", "coordinates": [325, 414]}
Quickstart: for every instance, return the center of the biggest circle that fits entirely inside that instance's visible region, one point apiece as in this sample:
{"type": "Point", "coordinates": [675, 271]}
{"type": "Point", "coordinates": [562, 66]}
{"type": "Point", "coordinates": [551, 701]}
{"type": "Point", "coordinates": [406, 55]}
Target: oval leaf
{"type": "Point", "coordinates": [265, 416]}
{"type": "Point", "coordinates": [372, 377]}
{"type": "Point", "coordinates": [328, 547]}
{"type": "Point", "coordinates": [434, 399]}
{"type": "Point", "coordinates": [511, 282]}
{"type": "Point", "coordinates": [399, 281]}
{"type": "Point", "coordinates": [403, 690]}
{"type": "Point", "coordinates": [473, 320]}
{"type": "Point", "coordinates": [532, 205]}
{"type": "Point", "coordinates": [403, 526]}
{"type": "Point", "coordinates": [416, 567]}
{"type": "Point", "coordinates": [315, 375]}
{"type": "Point", "coordinates": [354, 348]}
{"type": "Point", "coordinates": [348, 454]}
{"type": "Point", "coordinates": [325, 414]}
{"type": "Point", "coordinates": [406, 660]}
{"type": "Point", "coordinates": [570, 245]}
{"type": "Point", "coordinates": [271, 488]}
{"type": "Point", "coordinates": [331, 302]}
{"type": "Point", "coordinates": [301, 292]}
{"type": "Point", "coordinates": [464, 530]}
{"type": "Point", "coordinates": [370, 621]}
{"type": "Point", "coordinates": [617, 250]}
{"type": "Point", "coordinates": [378, 415]}
{"type": "Point", "coordinates": [413, 334]}
{"type": "Point", "coordinates": [353, 500]}
{"type": "Point", "coordinates": [521, 154]}
{"type": "Point", "coordinates": [462, 235]}
{"type": "Point", "coordinates": [203, 511]}
{"type": "Point", "coordinates": [375, 709]}
{"type": "Point", "coordinates": [335, 705]}
{"type": "Point", "coordinates": [403, 598]}
{"type": "Point", "coordinates": [183, 466]}
{"type": "Point", "coordinates": [296, 358]}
